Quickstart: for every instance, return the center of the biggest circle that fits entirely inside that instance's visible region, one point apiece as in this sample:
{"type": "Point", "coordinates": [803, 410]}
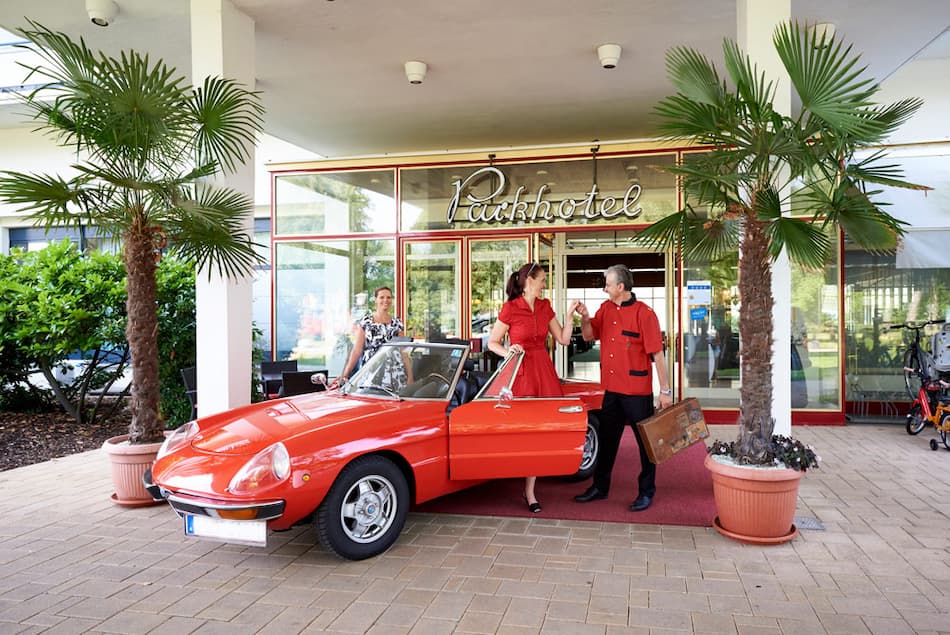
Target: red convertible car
{"type": "Point", "coordinates": [416, 422]}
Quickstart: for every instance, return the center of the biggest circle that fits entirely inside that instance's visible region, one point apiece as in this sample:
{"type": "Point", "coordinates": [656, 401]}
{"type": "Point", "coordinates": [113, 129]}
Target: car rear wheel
{"type": "Point", "coordinates": [365, 509]}
{"type": "Point", "coordinates": [591, 446]}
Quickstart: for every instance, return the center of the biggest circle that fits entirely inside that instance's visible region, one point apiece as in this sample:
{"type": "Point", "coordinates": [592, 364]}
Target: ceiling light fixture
{"type": "Point", "coordinates": [101, 12]}
{"type": "Point", "coordinates": [609, 55]}
{"type": "Point", "coordinates": [823, 32]}
{"type": "Point", "coordinates": [416, 72]}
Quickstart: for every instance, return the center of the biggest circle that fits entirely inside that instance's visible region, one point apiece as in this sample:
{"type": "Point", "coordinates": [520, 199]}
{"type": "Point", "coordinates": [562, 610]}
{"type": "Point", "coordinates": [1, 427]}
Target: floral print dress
{"type": "Point", "coordinates": [377, 334]}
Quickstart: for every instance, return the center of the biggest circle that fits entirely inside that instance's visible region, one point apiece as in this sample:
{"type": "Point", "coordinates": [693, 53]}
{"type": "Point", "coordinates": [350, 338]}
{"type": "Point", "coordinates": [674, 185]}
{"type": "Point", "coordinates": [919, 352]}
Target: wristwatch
{"type": "Point", "coordinates": [666, 392]}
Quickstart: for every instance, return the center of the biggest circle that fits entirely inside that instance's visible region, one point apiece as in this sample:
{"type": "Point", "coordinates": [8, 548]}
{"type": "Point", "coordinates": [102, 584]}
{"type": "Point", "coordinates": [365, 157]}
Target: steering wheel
{"type": "Point", "coordinates": [437, 375]}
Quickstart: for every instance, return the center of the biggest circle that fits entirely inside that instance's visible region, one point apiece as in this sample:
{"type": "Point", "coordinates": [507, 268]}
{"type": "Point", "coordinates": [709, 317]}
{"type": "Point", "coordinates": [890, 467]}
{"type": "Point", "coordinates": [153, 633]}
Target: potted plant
{"type": "Point", "coordinates": [759, 162]}
{"type": "Point", "coordinates": [147, 146]}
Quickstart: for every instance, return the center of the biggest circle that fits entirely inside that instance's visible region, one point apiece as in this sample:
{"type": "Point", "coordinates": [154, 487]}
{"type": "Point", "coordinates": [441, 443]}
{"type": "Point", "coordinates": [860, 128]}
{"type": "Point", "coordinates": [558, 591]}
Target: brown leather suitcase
{"type": "Point", "coordinates": [673, 430]}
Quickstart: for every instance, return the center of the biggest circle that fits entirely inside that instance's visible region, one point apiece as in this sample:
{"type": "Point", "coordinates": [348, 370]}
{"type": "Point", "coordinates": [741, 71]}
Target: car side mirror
{"type": "Point", "coordinates": [320, 379]}
{"type": "Point", "coordinates": [504, 396]}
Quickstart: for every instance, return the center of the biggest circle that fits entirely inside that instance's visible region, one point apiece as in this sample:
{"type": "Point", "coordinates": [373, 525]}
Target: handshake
{"type": "Point", "coordinates": [578, 307]}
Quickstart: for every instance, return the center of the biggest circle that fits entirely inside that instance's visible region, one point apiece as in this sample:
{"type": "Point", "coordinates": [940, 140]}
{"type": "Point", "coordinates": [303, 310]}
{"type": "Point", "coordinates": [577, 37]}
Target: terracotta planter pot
{"type": "Point", "coordinates": [129, 463]}
{"type": "Point", "coordinates": [755, 505]}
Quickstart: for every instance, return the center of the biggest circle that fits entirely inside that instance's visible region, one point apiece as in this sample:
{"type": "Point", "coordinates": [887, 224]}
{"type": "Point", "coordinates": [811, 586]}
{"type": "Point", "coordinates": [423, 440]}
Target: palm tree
{"type": "Point", "coordinates": [146, 144]}
{"type": "Point", "coordinates": [761, 160]}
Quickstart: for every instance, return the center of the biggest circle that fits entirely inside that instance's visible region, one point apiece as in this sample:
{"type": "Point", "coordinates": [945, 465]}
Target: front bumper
{"type": "Point", "coordinates": [198, 506]}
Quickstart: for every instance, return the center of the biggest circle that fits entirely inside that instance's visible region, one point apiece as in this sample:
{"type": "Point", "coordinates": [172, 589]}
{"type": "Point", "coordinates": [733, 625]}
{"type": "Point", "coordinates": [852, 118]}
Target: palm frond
{"type": "Point", "coordinates": [694, 76]}
{"type": "Point", "coordinates": [870, 171]}
{"type": "Point", "coordinates": [209, 229]}
{"type": "Point", "coordinates": [50, 199]}
{"type": "Point", "coordinates": [893, 116]}
{"type": "Point", "coordinates": [828, 80]}
{"type": "Point", "coordinates": [228, 116]}
{"type": "Point", "coordinates": [863, 219]}
{"type": "Point", "coordinates": [682, 118]}
{"type": "Point", "coordinates": [696, 237]}
{"type": "Point", "coordinates": [807, 244]}
{"type": "Point", "coordinates": [755, 92]}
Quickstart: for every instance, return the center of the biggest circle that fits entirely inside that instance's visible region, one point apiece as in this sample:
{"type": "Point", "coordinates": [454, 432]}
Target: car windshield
{"type": "Point", "coordinates": [409, 370]}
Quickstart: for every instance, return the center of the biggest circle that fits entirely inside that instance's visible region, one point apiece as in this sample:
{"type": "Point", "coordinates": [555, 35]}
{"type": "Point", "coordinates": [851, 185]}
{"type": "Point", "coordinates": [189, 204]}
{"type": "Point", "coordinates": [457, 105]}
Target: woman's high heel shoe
{"type": "Point", "coordinates": [535, 507]}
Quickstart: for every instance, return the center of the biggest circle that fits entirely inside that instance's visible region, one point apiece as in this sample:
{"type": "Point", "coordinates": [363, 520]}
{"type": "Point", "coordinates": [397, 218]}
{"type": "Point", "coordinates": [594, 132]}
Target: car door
{"type": "Point", "coordinates": [499, 436]}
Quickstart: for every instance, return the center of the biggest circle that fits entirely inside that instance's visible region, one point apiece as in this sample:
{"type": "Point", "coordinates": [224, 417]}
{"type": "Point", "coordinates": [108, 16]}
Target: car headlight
{"type": "Point", "coordinates": [177, 439]}
{"type": "Point", "coordinates": [268, 467]}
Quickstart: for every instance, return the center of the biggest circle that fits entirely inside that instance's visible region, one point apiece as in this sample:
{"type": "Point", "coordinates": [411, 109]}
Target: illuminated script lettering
{"type": "Point", "coordinates": [531, 208]}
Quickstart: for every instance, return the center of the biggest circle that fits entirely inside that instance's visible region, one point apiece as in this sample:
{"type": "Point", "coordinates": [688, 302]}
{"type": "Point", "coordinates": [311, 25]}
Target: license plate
{"type": "Point", "coordinates": [241, 532]}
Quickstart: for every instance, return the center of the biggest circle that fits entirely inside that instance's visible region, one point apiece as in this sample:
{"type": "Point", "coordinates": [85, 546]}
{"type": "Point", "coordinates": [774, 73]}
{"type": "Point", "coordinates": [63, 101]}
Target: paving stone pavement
{"type": "Point", "coordinates": [71, 562]}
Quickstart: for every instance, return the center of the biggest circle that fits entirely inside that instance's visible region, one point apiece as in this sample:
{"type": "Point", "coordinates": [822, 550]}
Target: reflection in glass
{"type": "Point", "coordinates": [335, 203]}
{"type": "Point", "coordinates": [492, 261]}
{"type": "Point", "coordinates": [432, 282]}
{"type": "Point", "coordinates": [322, 288]}
{"type": "Point", "coordinates": [710, 332]}
{"type": "Point", "coordinates": [408, 370]}
{"type": "Point", "coordinates": [878, 294]}
{"type": "Point", "coordinates": [815, 365]}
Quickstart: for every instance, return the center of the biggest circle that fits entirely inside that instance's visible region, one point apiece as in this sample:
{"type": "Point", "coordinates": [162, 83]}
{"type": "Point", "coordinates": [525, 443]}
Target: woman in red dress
{"type": "Point", "coordinates": [527, 319]}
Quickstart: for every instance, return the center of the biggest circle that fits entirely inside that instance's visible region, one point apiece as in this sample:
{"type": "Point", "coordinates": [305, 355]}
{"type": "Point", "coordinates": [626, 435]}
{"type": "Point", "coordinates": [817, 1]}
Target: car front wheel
{"type": "Point", "coordinates": [365, 509]}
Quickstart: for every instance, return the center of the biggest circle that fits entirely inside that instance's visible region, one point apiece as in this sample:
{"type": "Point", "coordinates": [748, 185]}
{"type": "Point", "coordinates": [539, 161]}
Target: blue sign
{"type": "Point", "coordinates": [698, 313]}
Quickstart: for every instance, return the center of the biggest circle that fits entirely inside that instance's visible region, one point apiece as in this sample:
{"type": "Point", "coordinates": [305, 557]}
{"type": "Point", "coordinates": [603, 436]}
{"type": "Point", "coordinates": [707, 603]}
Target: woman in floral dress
{"type": "Point", "coordinates": [371, 332]}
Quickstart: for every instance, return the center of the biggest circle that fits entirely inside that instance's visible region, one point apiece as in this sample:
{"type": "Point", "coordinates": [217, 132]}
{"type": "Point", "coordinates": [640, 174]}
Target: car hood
{"type": "Point", "coordinates": [260, 426]}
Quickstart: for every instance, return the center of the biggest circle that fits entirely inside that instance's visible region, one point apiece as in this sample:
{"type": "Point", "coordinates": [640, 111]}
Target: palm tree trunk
{"type": "Point", "coordinates": [755, 333]}
{"type": "Point", "coordinates": [142, 291]}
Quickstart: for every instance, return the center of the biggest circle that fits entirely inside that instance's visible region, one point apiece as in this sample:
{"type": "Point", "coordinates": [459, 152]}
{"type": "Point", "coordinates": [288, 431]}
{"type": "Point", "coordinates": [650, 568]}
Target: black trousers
{"type": "Point", "coordinates": [619, 410]}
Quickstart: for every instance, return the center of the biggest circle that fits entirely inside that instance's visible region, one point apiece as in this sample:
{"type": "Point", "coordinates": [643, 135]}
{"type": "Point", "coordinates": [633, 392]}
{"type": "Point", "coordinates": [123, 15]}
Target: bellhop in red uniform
{"type": "Point", "coordinates": [631, 344]}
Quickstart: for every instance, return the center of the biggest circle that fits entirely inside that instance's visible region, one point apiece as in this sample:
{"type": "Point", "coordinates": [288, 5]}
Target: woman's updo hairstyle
{"type": "Point", "coordinates": [516, 280]}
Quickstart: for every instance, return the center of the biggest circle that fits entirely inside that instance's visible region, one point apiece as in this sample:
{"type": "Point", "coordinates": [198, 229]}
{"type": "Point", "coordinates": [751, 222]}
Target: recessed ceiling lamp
{"type": "Point", "coordinates": [823, 32]}
{"type": "Point", "coordinates": [101, 12]}
{"type": "Point", "coordinates": [609, 55]}
{"type": "Point", "coordinates": [416, 71]}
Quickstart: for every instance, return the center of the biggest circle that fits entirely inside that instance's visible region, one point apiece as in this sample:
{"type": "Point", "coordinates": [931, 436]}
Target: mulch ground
{"type": "Point", "coordinates": [27, 438]}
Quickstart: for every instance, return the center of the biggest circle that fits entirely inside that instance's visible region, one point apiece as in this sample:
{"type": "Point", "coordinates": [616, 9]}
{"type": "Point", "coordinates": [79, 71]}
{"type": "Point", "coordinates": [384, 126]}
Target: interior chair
{"type": "Point", "coordinates": [298, 382]}
{"type": "Point", "coordinates": [189, 377]}
{"type": "Point", "coordinates": [271, 377]}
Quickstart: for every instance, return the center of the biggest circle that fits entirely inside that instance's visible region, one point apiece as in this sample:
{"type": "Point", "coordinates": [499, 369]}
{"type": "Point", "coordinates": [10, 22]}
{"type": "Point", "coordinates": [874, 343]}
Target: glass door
{"type": "Point", "coordinates": [491, 262]}
{"type": "Point", "coordinates": [433, 288]}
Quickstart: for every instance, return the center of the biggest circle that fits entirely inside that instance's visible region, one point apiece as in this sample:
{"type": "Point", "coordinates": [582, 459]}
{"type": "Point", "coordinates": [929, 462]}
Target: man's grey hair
{"type": "Point", "coordinates": [623, 275]}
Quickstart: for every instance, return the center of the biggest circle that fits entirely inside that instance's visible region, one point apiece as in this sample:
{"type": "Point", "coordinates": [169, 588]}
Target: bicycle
{"type": "Point", "coordinates": [918, 363]}
{"type": "Point", "coordinates": [931, 405]}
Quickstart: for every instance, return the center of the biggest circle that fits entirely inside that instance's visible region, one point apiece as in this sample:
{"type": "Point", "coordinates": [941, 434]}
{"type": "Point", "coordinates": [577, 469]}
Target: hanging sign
{"type": "Point", "coordinates": [698, 292]}
{"type": "Point", "coordinates": [526, 207]}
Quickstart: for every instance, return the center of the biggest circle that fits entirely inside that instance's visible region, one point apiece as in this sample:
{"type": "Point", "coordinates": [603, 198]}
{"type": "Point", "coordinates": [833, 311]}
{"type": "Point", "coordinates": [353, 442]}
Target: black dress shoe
{"type": "Point", "coordinates": [641, 503]}
{"type": "Point", "coordinates": [592, 494]}
{"type": "Point", "coordinates": [535, 507]}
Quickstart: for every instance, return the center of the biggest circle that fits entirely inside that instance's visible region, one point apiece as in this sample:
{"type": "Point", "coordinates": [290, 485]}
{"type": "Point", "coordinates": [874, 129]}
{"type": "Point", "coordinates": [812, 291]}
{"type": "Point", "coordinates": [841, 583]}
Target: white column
{"type": "Point", "coordinates": [222, 44]}
{"type": "Point", "coordinates": [756, 24]}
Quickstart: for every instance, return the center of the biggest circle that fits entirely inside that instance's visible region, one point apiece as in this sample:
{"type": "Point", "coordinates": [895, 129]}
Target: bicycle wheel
{"type": "Point", "coordinates": [912, 381]}
{"type": "Point", "coordinates": [915, 420]}
{"type": "Point", "coordinates": [945, 429]}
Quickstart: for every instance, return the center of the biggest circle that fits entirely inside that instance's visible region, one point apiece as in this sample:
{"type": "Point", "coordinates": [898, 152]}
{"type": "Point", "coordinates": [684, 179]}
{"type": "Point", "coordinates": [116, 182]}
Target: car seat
{"type": "Point", "coordinates": [466, 388]}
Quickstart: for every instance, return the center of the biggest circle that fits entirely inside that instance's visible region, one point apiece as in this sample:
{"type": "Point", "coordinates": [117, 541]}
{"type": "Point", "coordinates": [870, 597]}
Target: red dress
{"type": "Point", "coordinates": [536, 376]}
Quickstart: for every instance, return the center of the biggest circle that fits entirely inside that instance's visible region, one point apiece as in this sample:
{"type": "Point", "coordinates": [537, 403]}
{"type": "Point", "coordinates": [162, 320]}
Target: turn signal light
{"type": "Point", "coordinates": [238, 514]}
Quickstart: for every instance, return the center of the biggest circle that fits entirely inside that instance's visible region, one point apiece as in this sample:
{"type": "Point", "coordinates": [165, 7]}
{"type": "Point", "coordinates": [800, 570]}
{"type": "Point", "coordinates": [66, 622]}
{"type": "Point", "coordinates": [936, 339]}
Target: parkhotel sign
{"type": "Point", "coordinates": [531, 208]}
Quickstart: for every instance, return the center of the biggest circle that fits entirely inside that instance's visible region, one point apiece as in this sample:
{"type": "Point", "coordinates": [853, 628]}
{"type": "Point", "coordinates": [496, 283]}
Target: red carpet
{"type": "Point", "coordinates": [683, 494]}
